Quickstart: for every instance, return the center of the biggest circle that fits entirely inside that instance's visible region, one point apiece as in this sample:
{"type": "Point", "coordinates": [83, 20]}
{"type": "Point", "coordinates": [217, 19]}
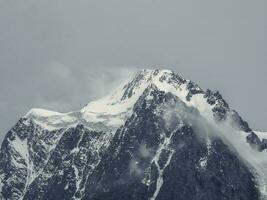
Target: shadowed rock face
{"type": "Point", "coordinates": [174, 169]}
{"type": "Point", "coordinates": [165, 150]}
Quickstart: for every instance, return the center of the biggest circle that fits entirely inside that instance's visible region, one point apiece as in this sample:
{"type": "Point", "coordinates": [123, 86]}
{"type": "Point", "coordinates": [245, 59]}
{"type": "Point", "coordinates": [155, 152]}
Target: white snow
{"type": "Point", "coordinates": [41, 112]}
{"type": "Point", "coordinates": [203, 161]}
{"type": "Point", "coordinates": [78, 179]}
{"type": "Point", "coordinates": [119, 109]}
{"type": "Point", "coordinates": [112, 111]}
{"type": "Point", "coordinates": [50, 120]}
{"type": "Point", "coordinates": [261, 135]}
{"type": "Point", "coordinates": [66, 186]}
{"type": "Point", "coordinates": [160, 173]}
{"type": "Point", "coordinates": [256, 160]}
{"type": "Point", "coordinates": [163, 146]}
{"type": "Point", "coordinates": [21, 147]}
{"type": "Point", "coordinates": [1, 185]}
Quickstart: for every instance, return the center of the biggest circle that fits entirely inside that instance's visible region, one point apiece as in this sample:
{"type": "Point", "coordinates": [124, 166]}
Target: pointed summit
{"type": "Point", "coordinates": [112, 111]}
{"type": "Point", "coordinates": [158, 136]}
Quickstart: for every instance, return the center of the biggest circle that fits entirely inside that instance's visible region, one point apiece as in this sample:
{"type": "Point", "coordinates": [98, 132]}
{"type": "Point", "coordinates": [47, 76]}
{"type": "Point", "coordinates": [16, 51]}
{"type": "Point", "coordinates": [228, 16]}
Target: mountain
{"type": "Point", "coordinates": [157, 137]}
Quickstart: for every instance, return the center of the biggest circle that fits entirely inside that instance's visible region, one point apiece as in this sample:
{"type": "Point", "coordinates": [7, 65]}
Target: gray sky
{"type": "Point", "coordinates": [60, 54]}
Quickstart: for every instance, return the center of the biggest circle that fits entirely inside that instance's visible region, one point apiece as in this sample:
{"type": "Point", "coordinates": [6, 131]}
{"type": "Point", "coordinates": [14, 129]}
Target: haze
{"type": "Point", "coordinates": [60, 55]}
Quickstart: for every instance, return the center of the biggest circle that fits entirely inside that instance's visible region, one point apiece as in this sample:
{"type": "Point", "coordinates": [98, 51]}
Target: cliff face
{"type": "Point", "coordinates": [157, 137]}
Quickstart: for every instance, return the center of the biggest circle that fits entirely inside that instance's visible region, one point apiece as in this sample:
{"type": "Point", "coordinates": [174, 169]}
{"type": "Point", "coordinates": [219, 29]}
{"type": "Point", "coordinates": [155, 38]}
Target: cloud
{"type": "Point", "coordinates": [60, 71]}
{"type": "Point", "coordinates": [177, 114]}
{"type": "Point", "coordinates": [135, 169]}
{"type": "Point", "coordinates": [144, 151]}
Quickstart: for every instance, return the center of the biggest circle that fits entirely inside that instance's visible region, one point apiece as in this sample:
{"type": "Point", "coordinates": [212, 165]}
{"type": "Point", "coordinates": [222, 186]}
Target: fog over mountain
{"type": "Point", "coordinates": [158, 136]}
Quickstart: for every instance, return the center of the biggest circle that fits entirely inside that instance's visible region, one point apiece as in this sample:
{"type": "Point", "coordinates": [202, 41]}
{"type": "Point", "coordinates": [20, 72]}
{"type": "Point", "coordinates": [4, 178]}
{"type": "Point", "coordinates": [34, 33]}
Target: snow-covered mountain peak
{"type": "Point", "coordinates": [149, 131]}
{"type": "Point", "coordinates": [116, 107]}
{"type": "Point", "coordinates": [126, 95]}
{"type": "Point", "coordinates": [112, 111]}
{"type": "Point", "coordinates": [38, 112]}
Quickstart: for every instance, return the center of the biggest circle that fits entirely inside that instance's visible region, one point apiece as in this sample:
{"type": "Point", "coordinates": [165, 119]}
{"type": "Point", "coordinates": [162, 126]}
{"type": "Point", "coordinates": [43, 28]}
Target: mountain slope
{"type": "Point", "coordinates": [158, 136]}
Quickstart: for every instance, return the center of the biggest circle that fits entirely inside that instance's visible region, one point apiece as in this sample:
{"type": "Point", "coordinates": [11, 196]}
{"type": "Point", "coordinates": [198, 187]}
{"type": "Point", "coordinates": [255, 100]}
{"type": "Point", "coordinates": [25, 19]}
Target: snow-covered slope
{"type": "Point", "coordinates": [261, 135]}
{"type": "Point", "coordinates": [135, 135]}
{"type": "Point", "coordinates": [113, 110]}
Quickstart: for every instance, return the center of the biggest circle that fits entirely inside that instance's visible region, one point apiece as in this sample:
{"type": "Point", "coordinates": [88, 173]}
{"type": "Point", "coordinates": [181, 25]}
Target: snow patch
{"type": "Point", "coordinates": [261, 135]}
{"type": "Point", "coordinates": [203, 161]}
{"type": "Point", "coordinates": [113, 110]}
{"type": "Point", "coordinates": [163, 146]}
{"type": "Point", "coordinates": [41, 113]}
{"type": "Point", "coordinates": [20, 147]}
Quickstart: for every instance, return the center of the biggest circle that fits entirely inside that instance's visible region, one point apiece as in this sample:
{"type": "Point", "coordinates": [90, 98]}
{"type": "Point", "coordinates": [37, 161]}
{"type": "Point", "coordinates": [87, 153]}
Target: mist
{"type": "Point", "coordinates": [178, 114]}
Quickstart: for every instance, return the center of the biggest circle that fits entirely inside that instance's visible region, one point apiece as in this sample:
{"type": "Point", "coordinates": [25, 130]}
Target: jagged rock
{"type": "Point", "coordinates": [154, 138]}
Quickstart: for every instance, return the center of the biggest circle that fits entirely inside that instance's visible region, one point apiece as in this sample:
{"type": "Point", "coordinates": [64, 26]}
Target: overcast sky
{"type": "Point", "coordinates": [60, 54]}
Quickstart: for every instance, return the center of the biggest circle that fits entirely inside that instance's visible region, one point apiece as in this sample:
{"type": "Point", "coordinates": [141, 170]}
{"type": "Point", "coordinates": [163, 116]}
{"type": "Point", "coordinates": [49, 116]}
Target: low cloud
{"type": "Point", "coordinates": [135, 169]}
{"type": "Point", "coordinates": [234, 138]}
{"type": "Point", "coordinates": [144, 151]}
